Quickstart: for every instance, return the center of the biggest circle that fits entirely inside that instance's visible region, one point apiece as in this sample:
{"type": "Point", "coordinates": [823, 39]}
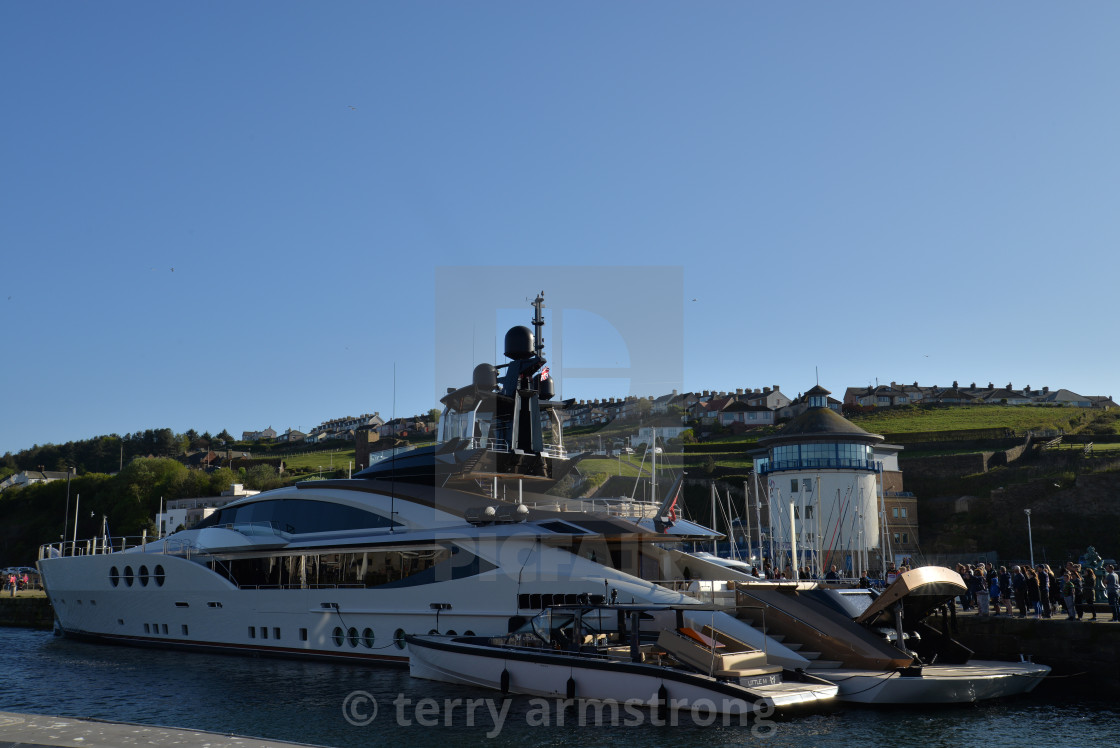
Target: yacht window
{"type": "Point", "coordinates": [158, 576]}
{"type": "Point", "coordinates": [352, 636]}
{"type": "Point", "coordinates": [298, 516]}
{"type": "Point", "coordinates": [114, 576]}
{"type": "Point", "coordinates": [396, 568]}
{"type": "Point", "coordinates": [184, 629]}
{"type": "Point", "coordinates": [367, 638]}
{"type": "Point", "coordinates": [398, 638]}
{"type": "Point", "coordinates": [252, 632]}
{"type": "Point", "coordinates": [128, 576]}
{"type": "Point", "coordinates": [275, 632]}
{"type": "Point", "coordinates": [303, 635]}
{"type": "Point", "coordinates": [337, 635]}
{"type": "Point", "coordinates": [143, 576]}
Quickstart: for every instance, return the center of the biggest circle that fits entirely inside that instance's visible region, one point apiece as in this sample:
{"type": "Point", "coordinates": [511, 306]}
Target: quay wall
{"type": "Point", "coordinates": [1083, 656]}
{"type": "Point", "coordinates": [26, 612]}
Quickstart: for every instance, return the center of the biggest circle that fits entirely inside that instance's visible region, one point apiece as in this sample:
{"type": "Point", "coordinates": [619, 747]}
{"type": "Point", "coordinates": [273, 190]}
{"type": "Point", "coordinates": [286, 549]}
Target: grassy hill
{"type": "Point", "coordinates": [1018, 418]}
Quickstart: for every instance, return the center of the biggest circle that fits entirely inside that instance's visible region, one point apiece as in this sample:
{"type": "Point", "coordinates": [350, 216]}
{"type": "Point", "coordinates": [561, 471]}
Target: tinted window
{"type": "Point", "coordinates": [298, 516]}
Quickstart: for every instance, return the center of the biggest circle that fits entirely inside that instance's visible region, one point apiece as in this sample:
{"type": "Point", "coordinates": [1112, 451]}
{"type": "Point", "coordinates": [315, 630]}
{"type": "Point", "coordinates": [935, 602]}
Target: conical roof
{"type": "Point", "coordinates": [820, 424]}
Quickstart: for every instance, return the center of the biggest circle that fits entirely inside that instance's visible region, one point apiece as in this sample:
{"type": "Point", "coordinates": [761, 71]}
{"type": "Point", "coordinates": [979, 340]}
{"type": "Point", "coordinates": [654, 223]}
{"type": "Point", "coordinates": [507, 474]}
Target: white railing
{"type": "Point", "coordinates": [91, 546]}
{"type": "Point", "coordinates": [173, 547]}
{"type": "Point", "coordinates": [611, 507]}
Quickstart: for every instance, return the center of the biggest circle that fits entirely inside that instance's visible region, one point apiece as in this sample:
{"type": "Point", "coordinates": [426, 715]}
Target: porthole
{"type": "Point", "coordinates": [114, 576]}
{"type": "Point", "coordinates": [468, 632]}
{"type": "Point", "coordinates": [451, 632]}
{"type": "Point", "coordinates": [143, 576]}
{"type": "Point", "coordinates": [338, 636]}
{"type": "Point", "coordinates": [367, 638]}
{"type": "Point", "coordinates": [158, 576]}
{"type": "Point", "coordinates": [128, 576]}
{"type": "Point", "coordinates": [352, 636]}
{"type": "Point", "coordinates": [398, 638]}
{"type": "Point", "coordinates": [433, 632]}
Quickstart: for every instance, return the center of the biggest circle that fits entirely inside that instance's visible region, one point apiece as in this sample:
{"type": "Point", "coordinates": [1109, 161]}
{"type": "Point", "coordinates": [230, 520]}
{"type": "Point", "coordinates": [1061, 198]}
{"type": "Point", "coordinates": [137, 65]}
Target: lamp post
{"type": "Point", "coordinates": [1030, 538]}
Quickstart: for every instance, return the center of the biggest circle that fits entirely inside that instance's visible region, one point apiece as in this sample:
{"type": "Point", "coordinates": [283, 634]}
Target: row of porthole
{"type": "Point", "coordinates": [351, 635]}
{"type": "Point", "coordinates": [366, 638]}
{"type": "Point", "coordinates": [157, 576]}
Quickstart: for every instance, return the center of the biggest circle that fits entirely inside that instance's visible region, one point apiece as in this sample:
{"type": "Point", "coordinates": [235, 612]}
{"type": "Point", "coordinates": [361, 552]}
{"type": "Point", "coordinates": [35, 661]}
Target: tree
{"type": "Point", "coordinates": [221, 479]}
{"type": "Point", "coordinates": [225, 436]}
{"type": "Point", "coordinates": [262, 478]}
{"type": "Point", "coordinates": [434, 414]}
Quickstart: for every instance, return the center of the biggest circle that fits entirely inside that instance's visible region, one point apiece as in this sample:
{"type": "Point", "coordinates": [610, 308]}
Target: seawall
{"type": "Point", "coordinates": [33, 612]}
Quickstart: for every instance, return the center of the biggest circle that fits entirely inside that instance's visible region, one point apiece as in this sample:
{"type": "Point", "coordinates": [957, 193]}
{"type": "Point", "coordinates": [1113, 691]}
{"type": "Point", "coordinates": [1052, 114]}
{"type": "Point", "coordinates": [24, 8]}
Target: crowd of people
{"type": "Point", "coordinates": [1039, 591]}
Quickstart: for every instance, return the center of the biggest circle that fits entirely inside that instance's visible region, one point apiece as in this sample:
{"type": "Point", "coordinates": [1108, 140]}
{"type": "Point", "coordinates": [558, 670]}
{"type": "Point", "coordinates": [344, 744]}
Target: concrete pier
{"type": "Point", "coordinates": [38, 731]}
{"type": "Point", "coordinates": [27, 610]}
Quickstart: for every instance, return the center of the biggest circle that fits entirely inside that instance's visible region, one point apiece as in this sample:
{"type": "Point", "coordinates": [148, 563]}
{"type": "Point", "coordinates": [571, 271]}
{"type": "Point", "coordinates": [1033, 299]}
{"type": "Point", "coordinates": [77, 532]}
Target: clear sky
{"type": "Point", "coordinates": [235, 214]}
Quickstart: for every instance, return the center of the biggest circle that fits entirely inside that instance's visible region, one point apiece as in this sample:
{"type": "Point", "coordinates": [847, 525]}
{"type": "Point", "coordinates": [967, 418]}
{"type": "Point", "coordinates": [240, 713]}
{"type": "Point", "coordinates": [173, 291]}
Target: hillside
{"type": "Point", "coordinates": [954, 452]}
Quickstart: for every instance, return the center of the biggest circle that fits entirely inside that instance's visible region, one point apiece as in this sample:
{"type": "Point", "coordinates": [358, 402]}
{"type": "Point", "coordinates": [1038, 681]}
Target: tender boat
{"type": "Point", "coordinates": [880, 648]}
{"type": "Point", "coordinates": [632, 654]}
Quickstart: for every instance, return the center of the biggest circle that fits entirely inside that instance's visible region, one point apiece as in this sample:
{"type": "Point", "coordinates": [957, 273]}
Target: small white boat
{"type": "Point", "coordinates": [632, 654]}
{"type": "Point", "coordinates": [881, 649]}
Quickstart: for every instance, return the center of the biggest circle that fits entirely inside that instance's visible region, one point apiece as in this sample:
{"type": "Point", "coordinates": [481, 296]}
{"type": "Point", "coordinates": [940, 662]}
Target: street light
{"type": "Point", "coordinates": [1030, 538]}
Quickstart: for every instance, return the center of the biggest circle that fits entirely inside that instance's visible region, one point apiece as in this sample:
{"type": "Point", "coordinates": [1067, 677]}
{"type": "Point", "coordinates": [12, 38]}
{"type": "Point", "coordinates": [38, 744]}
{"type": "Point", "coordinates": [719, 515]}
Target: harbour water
{"type": "Point", "coordinates": [332, 705]}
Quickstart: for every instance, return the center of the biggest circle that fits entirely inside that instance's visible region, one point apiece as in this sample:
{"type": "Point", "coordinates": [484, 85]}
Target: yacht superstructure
{"type": "Point", "coordinates": [418, 542]}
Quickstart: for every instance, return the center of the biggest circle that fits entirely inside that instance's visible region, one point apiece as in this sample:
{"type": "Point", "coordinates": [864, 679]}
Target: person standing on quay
{"type": "Point", "coordinates": [1067, 594]}
{"type": "Point", "coordinates": [980, 591]}
{"type": "Point", "coordinates": [1089, 592]}
{"type": "Point", "coordinates": [1019, 584]}
{"type": "Point", "coordinates": [1044, 582]}
{"type": "Point", "coordinates": [1005, 588]}
{"type": "Point", "coordinates": [1112, 590]}
{"type": "Point", "coordinates": [1033, 601]}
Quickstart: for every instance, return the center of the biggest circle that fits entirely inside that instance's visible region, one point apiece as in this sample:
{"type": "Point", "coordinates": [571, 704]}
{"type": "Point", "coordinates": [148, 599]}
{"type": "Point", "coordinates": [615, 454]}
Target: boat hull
{"type": "Point", "coordinates": [938, 684]}
{"type": "Point", "coordinates": [563, 676]}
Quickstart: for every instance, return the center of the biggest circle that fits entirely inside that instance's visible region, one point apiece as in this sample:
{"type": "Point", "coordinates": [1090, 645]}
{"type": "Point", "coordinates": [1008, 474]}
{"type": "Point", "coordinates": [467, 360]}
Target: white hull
{"type": "Point", "coordinates": [194, 607]}
{"type": "Point", "coordinates": [938, 684]}
{"type": "Point", "coordinates": [625, 683]}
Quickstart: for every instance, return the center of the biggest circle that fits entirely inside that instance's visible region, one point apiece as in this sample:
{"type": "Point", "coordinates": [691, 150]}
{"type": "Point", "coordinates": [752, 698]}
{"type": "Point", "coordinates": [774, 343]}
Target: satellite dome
{"type": "Point", "coordinates": [519, 343]}
{"type": "Point", "coordinates": [485, 377]}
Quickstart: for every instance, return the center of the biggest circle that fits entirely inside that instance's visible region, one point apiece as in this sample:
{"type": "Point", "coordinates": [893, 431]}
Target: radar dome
{"type": "Point", "coordinates": [485, 377]}
{"type": "Point", "coordinates": [548, 389]}
{"type": "Point", "coordinates": [519, 343]}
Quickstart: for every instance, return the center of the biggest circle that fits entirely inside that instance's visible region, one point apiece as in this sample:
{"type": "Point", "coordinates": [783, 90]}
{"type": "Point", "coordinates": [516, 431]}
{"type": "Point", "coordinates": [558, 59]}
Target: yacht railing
{"type": "Point", "coordinates": [91, 546]}
{"type": "Point", "coordinates": [612, 507]}
{"type": "Point", "coordinates": [173, 547]}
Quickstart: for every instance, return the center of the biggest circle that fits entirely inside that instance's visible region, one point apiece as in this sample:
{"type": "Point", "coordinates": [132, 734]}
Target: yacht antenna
{"type": "Point", "coordinates": [393, 484]}
{"type": "Point", "coordinates": [538, 323]}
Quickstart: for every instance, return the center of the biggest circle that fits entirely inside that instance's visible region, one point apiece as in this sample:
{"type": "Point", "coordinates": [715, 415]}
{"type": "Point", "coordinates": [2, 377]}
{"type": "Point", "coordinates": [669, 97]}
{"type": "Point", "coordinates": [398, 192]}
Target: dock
{"type": "Point", "coordinates": [40, 731]}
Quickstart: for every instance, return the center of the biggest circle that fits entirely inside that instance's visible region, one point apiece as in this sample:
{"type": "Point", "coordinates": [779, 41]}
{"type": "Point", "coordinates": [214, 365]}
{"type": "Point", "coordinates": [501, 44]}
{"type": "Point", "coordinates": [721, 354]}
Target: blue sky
{"type": "Point", "coordinates": [881, 190]}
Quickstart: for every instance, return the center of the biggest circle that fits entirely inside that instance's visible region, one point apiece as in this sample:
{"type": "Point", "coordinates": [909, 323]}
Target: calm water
{"type": "Point", "coordinates": [301, 701]}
